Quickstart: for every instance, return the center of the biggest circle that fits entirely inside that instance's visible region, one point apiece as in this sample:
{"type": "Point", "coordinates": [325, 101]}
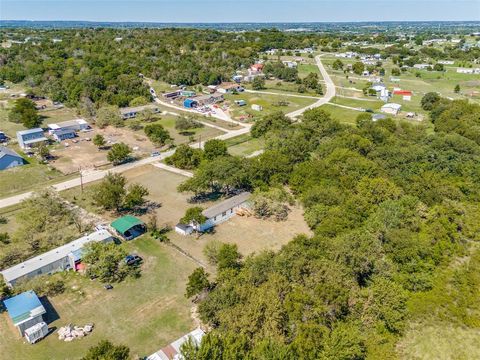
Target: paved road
{"type": "Point", "coordinates": [329, 94]}
{"type": "Point", "coordinates": [282, 94]}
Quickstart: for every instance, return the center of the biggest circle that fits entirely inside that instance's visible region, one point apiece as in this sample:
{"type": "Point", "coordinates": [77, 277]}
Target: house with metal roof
{"type": "Point", "coordinates": [129, 227]}
{"type": "Point", "coordinates": [391, 108]}
{"type": "Point", "coordinates": [223, 211]}
{"type": "Point", "coordinates": [27, 138]}
{"type": "Point", "coordinates": [25, 310]}
{"type": "Point", "coordinates": [9, 158]}
{"type": "Point", "coordinates": [173, 351]}
{"type": "Point", "coordinates": [65, 257]}
{"type": "Point", "coordinates": [75, 125]}
{"type": "Point", "coordinates": [132, 112]}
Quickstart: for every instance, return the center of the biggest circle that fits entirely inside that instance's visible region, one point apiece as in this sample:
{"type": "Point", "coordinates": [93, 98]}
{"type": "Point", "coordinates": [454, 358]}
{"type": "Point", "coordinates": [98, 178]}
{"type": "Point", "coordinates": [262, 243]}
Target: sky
{"type": "Point", "coordinates": [240, 10]}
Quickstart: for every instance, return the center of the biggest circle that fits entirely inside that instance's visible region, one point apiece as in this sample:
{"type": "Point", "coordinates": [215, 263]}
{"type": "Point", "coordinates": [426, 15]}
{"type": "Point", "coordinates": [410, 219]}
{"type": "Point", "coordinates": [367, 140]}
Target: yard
{"type": "Point", "coordinates": [244, 145]}
{"type": "Point", "coordinates": [144, 314]}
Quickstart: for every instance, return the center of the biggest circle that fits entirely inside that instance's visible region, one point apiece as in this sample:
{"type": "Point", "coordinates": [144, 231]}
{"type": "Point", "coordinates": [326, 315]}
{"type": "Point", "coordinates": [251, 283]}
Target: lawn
{"type": "Point", "coordinates": [244, 145]}
{"type": "Point", "coordinates": [144, 314]}
{"type": "Point", "coordinates": [341, 114]}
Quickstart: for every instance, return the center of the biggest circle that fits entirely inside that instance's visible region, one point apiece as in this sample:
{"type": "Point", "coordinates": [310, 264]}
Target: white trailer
{"type": "Point", "coordinates": [36, 332]}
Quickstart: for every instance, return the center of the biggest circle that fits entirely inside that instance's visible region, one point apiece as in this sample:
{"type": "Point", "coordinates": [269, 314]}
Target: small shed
{"type": "Point", "coordinates": [129, 227]}
{"type": "Point", "coordinates": [25, 310]}
{"type": "Point", "coordinates": [190, 103]}
{"type": "Point", "coordinates": [183, 229]}
{"type": "Point", "coordinates": [240, 102]}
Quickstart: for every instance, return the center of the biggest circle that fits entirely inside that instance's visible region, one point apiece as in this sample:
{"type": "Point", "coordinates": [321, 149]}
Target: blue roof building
{"type": "Point", "coordinates": [190, 103]}
{"type": "Point", "coordinates": [29, 137]}
{"type": "Point", "coordinates": [9, 158]}
{"type": "Point", "coordinates": [25, 310]}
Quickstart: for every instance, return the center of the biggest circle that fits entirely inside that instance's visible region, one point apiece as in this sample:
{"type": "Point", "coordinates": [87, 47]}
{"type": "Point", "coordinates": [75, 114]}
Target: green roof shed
{"type": "Point", "coordinates": [129, 226]}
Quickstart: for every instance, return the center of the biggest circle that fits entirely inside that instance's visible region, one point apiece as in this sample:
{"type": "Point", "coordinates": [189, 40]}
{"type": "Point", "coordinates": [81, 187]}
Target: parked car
{"type": "Point", "coordinates": [108, 287]}
{"type": "Point", "coordinates": [155, 153]}
{"type": "Point", "coordinates": [133, 259]}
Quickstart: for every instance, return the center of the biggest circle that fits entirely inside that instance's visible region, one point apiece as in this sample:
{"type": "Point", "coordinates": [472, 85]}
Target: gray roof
{"type": "Point", "coordinates": [29, 131]}
{"type": "Point", "coordinates": [226, 205]}
{"type": "Point", "coordinates": [137, 109]}
{"type": "Point", "coordinates": [4, 151]}
{"type": "Point", "coordinates": [51, 256]}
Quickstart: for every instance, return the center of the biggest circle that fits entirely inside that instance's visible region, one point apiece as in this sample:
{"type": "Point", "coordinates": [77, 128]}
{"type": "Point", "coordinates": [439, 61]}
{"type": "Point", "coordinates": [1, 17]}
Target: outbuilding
{"type": "Point", "coordinates": [25, 310]}
{"type": "Point", "coordinates": [183, 229]}
{"type": "Point", "coordinates": [173, 350]}
{"type": "Point", "coordinates": [190, 103]}
{"type": "Point", "coordinates": [391, 108]}
{"type": "Point", "coordinates": [129, 227]}
{"type": "Point", "coordinates": [9, 158]}
{"type": "Point", "coordinates": [132, 112]}
{"type": "Point", "coordinates": [27, 138]}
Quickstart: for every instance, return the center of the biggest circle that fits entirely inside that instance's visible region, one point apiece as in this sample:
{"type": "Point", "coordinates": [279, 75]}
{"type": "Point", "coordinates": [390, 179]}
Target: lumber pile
{"type": "Point", "coordinates": [244, 212]}
{"type": "Point", "coordinates": [72, 332]}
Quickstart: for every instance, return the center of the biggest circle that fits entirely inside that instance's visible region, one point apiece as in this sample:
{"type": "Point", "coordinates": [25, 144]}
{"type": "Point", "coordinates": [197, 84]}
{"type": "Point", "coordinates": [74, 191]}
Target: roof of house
{"type": "Point", "coordinates": [392, 106]}
{"type": "Point", "coordinates": [61, 132]}
{"type": "Point", "coordinates": [183, 227]}
{"type": "Point", "coordinates": [24, 307]}
{"type": "Point", "coordinates": [29, 131]}
{"type": "Point", "coordinates": [4, 151]}
{"type": "Point", "coordinates": [125, 223]}
{"type": "Point", "coordinates": [136, 109]}
{"type": "Point", "coordinates": [402, 92]}
{"type": "Point", "coordinates": [51, 256]}
{"type": "Point", "coordinates": [66, 124]}
{"type": "Point", "coordinates": [172, 350]}
{"type": "Point", "coordinates": [226, 205]}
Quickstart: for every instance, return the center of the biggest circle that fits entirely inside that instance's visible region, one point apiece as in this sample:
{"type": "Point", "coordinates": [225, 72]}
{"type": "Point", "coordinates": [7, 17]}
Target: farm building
{"type": "Point", "coordinates": [65, 257]}
{"type": "Point", "coordinates": [9, 158]}
{"type": "Point", "coordinates": [391, 108]}
{"type": "Point", "coordinates": [224, 210]}
{"type": "Point", "coordinates": [129, 227]}
{"type": "Point", "coordinates": [211, 99]}
{"type": "Point", "coordinates": [172, 351]}
{"type": "Point", "coordinates": [188, 93]}
{"type": "Point", "coordinates": [173, 95]}
{"type": "Point", "coordinates": [132, 112]}
{"type": "Point", "coordinates": [27, 138]}
{"type": "Point", "coordinates": [74, 125]}
{"type": "Point", "coordinates": [468, 71]}
{"type": "Point", "coordinates": [25, 310]}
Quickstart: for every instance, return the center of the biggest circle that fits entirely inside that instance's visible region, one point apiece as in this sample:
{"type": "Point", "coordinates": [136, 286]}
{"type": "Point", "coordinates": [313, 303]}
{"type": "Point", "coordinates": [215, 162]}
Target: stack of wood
{"type": "Point", "coordinates": [72, 332]}
{"type": "Point", "coordinates": [244, 212]}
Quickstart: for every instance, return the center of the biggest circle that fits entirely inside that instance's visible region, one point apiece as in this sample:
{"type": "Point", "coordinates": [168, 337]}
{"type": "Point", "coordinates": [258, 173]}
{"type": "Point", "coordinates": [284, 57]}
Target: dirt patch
{"type": "Point", "coordinates": [80, 153]}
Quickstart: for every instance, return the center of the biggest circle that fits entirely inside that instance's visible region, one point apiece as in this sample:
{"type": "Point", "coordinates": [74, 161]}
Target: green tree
{"type": "Point", "coordinates": [337, 65]}
{"type": "Point", "coordinates": [214, 148]}
{"type": "Point", "coordinates": [228, 257]}
{"type": "Point", "coordinates": [24, 112]}
{"type": "Point", "coordinates": [135, 196]}
{"type": "Point", "coordinates": [429, 101]}
{"type": "Point", "coordinates": [157, 134]}
{"type": "Point", "coordinates": [107, 262]}
{"type": "Point", "coordinates": [197, 282]}
{"type": "Point", "coordinates": [119, 153]}
{"type": "Point", "coordinates": [99, 141]}
{"type": "Point", "coordinates": [109, 194]}
{"type": "Point", "coordinates": [194, 216]}
{"type": "Point", "coordinates": [258, 83]}
{"type": "Point", "coordinates": [457, 89]}
{"type": "Point", "coordinates": [105, 350]}
{"type": "Point", "coordinates": [358, 68]}
{"type": "Point", "coordinates": [108, 115]}
{"type": "Point", "coordinates": [185, 157]}
{"type": "Point", "coordinates": [274, 121]}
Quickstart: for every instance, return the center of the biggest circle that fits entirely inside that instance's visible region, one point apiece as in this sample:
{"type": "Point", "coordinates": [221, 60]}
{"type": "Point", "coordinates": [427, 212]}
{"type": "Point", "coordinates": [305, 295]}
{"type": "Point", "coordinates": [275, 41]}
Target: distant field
{"type": "Point", "coordinates": [341, 114]}
{"type": "Point", "coordinates": [244, 145]}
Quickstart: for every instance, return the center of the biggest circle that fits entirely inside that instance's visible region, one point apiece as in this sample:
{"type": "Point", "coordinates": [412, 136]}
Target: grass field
{"type": "Point", "coordinates": [341, 114]}
{"type": "Point", "coordinates": [144, 314]}
{"type": "Point", "coordinates": [244, 145]}
{"type": "Point", "coordinates": [439, 341]}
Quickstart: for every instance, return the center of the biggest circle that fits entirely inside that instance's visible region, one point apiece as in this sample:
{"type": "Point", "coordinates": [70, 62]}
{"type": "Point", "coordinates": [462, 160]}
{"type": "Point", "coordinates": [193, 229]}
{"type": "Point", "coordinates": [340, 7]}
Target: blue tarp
{"type": "Point", "coordinates": [189, 103]}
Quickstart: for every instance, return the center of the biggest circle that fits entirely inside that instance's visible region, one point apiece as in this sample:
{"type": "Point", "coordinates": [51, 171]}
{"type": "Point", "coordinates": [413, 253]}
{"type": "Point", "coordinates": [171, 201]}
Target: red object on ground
{"type": "Point", "coordinates": [80, 266]}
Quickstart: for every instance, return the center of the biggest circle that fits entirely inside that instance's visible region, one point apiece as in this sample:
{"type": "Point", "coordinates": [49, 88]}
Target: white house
{"type": "Point", "coordinates": [27, 138]}
{"type": "Point", "coordinates": [9, 158]}
{"type": "Point", "coordinates": [257, 107]}
{"type": "Point", "coordinates": [422, 66]}
{"type": "Point", "coordinates": [75, 125]}
{"type": "Point", "coordinates": [65, 257]}
{"type": "Point", "coordinates": [223, 211]}
{"type": "Point", "coordinates": [446, 62]}
{"type": "Point", "coordinates": [290, 64]}
{"type": "Point", "coordinates": [468, 70]}
{"type": "Point", "coordinates": [132, 112]}
{"type": "Point", "coordinates": [183, 229]}
{"type": "Point", "coordinates": [391, 108]}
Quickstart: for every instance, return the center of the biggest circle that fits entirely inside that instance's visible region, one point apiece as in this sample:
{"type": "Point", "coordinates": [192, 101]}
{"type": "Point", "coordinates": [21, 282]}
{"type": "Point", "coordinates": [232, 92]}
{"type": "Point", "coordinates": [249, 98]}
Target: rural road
{"type": "Point", "coordinates": [330, 93]}
{"type": "Point", "coordinates": [281, 94]}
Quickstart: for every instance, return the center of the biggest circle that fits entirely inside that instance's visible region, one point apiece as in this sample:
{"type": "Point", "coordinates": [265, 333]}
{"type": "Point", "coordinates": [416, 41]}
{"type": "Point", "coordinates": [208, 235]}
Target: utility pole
{"type": "Point", "coordinates": [81, 178]}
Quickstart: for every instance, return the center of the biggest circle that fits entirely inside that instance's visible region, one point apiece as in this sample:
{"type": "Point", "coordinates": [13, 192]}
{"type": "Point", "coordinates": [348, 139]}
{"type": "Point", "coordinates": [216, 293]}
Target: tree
{"type": "Point", "coordinates": [109, 194]}
{"type": "Point", "coordinates": [183, 123]}
{"type": "Point", "coordinates": [185, 157]}
{"type": "Point", "coordinates": [438, 67]}
{"type": "Point", "coordinates": [107, 262]}
{"type": "Point", "coordinates": [258, 83]}
{"type": "Point", "coordinates": [157, 134]}
{"type": "Point", "coordinates": [24, 112]}
{"type": "Point", "coordinates": [108, 115]}
{"type": "Point", "coordinates": [105, 350]}
{"type": "Point", "coordinates": [396, 72]}
{"type": "Point", "coordinates": [337, 65]}
{"type": "Point", "coordinates": [358, 68]}
{"type": "Point", "coordinates": [274, 121]}
{"type": "Point", "coordinates": [429, 101]}
{"type": "Point", "coordinates": [194, 215]}
{"type": "Point", "coordinates": [43, 152]}
{"type": "Point", "coordinates": [135, 196]}
{"type": "Point", "coordinates": [197, 282]}
{"type": "Point", "coordinates": [228, 257]}
{"type": "Point", "coordinates": [119, 153]}
{"type": "Point", "coordinates": [457, 89]}
{"type": "Point", "coordinates": [99, 141]}
{"type": "Point", "coordinates": [215, 148]}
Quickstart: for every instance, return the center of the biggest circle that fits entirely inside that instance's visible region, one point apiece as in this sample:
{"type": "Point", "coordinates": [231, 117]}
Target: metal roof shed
{"type": "Point", "coordinates": [129, 226]}
{"type": "Point", "coordinates": [23, 307]}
